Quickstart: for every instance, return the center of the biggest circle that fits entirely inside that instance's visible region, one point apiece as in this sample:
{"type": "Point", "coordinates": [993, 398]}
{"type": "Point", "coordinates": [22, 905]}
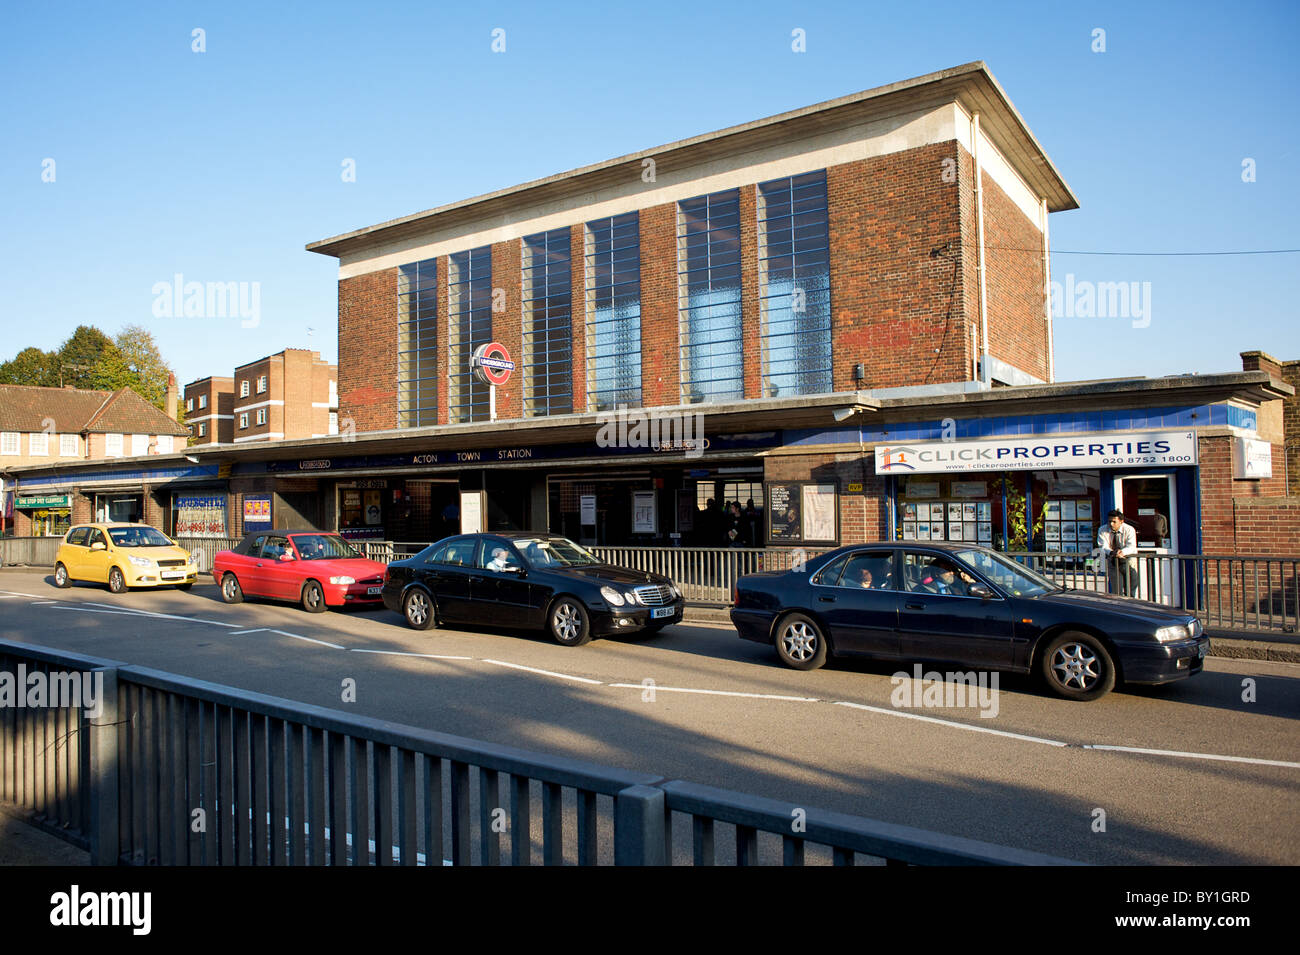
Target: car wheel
{"type": "Point", "coordinates": [61, 578]}
{"type": "Point", "coordinates": [116, 580]}
{"type": "Point", "coordinates": [313, 597]}
{"type": "Point", "coordinates": [568, 622]}
{"type": "Point", "coordinates": [1077, 667]}
{"type": "Point", "coordinates": [231, 592]}
{"type": "Point", "coordinates": [799, 643]}
{"type": "Point", "coordinates": [418, 610]}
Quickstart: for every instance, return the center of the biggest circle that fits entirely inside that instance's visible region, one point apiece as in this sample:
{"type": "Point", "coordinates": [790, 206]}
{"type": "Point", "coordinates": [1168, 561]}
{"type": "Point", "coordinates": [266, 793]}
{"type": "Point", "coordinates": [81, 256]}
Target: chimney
{"type": "Point", "coordinates": [173, 398]}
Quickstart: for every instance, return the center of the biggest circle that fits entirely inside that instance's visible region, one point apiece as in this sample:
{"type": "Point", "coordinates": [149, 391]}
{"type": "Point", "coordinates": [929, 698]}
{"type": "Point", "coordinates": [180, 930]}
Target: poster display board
{"type": "Point", "coordinates": [802, 512]}
{"type": "Point", "coordinates": [199, 515]}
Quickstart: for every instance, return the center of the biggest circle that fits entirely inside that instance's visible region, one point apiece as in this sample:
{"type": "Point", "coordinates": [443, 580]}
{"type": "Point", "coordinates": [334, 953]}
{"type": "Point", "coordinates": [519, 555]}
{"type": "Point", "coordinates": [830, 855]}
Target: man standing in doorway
{"type": "Point", "coordinates": [1118, 545]}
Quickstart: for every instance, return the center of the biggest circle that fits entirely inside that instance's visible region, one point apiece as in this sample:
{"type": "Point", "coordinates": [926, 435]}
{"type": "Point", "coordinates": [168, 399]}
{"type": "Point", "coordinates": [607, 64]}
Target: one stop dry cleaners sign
{"type": "Point", "coordinates": [1138, 450]}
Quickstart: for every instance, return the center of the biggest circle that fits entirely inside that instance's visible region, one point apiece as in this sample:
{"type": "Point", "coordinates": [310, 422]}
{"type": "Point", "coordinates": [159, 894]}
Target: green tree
{"type": "Point", "coordinates": [31, 366]}
{"type": "Point", "coordinates": [78, 356]}
{"type": "Point", "coordinates": [142, 358]}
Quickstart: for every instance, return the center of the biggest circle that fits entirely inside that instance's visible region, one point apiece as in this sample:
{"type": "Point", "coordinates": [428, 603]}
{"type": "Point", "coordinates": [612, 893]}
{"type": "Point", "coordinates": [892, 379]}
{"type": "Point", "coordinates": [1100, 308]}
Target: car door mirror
{"type": "Point", "coordinates": [99, 545]}
{"type": "Point", "coordinates": [979, 590]}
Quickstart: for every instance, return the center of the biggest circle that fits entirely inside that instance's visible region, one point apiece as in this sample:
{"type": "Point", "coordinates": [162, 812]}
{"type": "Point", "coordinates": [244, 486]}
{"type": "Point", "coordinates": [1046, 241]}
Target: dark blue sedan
{"type": "Point", "coordinates": [528, 581]}
{"type": "Point", "coordinates": [967, 605]}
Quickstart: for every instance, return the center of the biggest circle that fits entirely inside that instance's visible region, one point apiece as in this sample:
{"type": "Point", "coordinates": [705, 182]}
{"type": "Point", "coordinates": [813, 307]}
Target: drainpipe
{"type": "Point", "coordinates": [1047, 296]}
{"type": "Point", "coordinates": [979, 223]}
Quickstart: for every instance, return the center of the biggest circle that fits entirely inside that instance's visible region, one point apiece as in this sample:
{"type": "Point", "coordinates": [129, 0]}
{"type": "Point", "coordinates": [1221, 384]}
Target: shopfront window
{"type": "Point", "coordinates": [935, 507]}
{"type": "Point", "coordinates": [1064, 506]}
{"type": "Point", "coordinates": [119, 508]}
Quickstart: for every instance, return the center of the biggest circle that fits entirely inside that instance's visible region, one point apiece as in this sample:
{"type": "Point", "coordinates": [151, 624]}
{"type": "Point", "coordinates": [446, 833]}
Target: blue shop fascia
{"type": "Point", "coordinates": [1037, 469]}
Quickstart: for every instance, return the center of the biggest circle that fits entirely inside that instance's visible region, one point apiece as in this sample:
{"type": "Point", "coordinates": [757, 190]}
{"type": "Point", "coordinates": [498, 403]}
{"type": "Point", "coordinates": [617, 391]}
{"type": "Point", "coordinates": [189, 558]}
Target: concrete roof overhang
{"type": "Point", "coordinates": [971, 86]}
{"type": "Point", "coordinates": [740, 417]}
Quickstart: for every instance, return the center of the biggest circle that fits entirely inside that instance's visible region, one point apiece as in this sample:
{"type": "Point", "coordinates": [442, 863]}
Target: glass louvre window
{"type": "Point", "coordinates": [708, 276]}
{"type": "Point", "coordinates": [469, 308]}
{"type": "Point", "coordinates": [614, 312]}
{"type": "Point", "coordinates": [417, 344]}
{"type": "Point", "coordinates": [795, 285]}
{"type": "Point", "coordinates": [548, 326]}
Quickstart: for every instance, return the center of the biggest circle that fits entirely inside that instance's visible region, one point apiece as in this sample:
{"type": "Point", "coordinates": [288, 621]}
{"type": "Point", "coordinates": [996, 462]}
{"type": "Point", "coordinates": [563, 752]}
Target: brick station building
{"type": "Point", "coordinates": [839, 313]}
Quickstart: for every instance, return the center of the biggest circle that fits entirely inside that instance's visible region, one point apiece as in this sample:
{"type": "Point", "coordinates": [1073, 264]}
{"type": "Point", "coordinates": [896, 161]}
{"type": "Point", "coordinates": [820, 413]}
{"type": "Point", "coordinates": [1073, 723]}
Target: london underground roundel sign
{"type": "Point", "coordinates": [492, 363]}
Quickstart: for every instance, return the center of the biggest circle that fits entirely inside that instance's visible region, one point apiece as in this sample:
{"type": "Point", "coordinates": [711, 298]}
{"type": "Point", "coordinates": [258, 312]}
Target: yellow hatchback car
{"type": "Point", "coordinates": [123, 556]}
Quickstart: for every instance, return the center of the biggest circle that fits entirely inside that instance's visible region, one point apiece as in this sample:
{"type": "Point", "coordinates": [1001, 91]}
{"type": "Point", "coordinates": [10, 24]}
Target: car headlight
{"type": "Point", "coordinates": [633, 597]}
{"type": "Point", "coordinates": [194, 558]}
{"type": "Point", "coordinates": [676, 593]}
{"type": "Point", "coordinates": [140, 561]}
{"type": "Point", "coordinates": [1195, 629]}
{"type": "Point", "coordinates": [1167, 634]}
{"type": "Point", "coordinates": [612, 596]}
{"type": "Point", "coordinates": [342, 580]}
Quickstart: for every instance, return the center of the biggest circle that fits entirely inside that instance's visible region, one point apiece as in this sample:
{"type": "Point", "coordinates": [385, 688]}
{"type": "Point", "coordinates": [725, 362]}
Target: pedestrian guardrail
{"type": "Point", "coordinates": [165, 769]}
{"type": "Point", "coordinates": [1227, 591]}
{"type": "Point", "coordinates": [29, 551]}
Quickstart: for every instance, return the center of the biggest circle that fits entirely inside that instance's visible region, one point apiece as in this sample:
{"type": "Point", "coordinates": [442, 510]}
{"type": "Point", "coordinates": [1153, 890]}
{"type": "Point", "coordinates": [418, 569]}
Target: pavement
{"type": "Point", "coordinates": [24, 843]}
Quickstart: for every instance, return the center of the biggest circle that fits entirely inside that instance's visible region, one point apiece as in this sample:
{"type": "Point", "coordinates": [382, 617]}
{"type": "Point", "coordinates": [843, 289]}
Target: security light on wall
{"type": "Point", "coordinates": [844, 414]}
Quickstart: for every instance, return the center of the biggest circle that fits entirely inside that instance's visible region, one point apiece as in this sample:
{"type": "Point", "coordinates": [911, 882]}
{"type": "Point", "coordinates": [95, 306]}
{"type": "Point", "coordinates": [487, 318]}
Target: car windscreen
{"type": "Point", "coordinates": [555, 552]}
{"type": "Point", "coordinates": [1012, 577]}
{"type": "Point", "coordinates": [137, 537]}
{"type": "Point", "coordinates": [324, 547]}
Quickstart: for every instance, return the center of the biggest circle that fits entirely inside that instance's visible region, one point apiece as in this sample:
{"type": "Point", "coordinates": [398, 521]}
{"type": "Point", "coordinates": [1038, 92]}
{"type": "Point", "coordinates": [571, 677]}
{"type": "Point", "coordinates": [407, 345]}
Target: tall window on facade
{"type": "Point", "coordinates": [794, 282]}
{"type": "Point", "coordinates": [469, 307]}
{"type": "Point", "coordinates": [708, 278]}
{"type": "Point", "coordinates": [417, 344]}
{"type": "Point", "coordinates": [548, 330]}
{"type": "Point", "coordinates": [614, 312]}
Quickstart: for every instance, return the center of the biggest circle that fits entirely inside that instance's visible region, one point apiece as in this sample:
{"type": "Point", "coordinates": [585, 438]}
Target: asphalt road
{"type": "Point", "coordinates": [1198, 774]}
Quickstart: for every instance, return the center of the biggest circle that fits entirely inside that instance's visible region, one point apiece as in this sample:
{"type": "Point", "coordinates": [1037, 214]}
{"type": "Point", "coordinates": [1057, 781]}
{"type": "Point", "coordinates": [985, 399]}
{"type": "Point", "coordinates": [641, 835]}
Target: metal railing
{"type": "Point", "coordinates": [29, 551]}
{"type": "Point", "coordinates": [705, 575]}
{"type": "Point", "coordinates": [177, 771]}
{"type": "Point", "coordinates": [1227, 591]}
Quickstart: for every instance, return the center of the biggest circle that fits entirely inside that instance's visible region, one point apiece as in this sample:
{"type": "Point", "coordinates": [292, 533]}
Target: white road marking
{"type": "Point", "coordinates": [1170, 752]}
{"type": "Point", "coordinates": [403, 653]}
{"type": "Point", "coordinates": [256, 630]}
{"type": "Point", "coordinates": [12, 596]}
{"type": "Point", "coordinates": [953, 723]}
{"type": "Point", "coordinates": [124, 613]}
{"type": "Point", "coordinates": [165, 616]}
{"type": "Point", "coordinates": [323, 643]}
{"type": "Point", "coordinates": [682, 689]}
{"type": "Point", "coordinates": [561, 676]}
{"type": "Point", "coordinates": [41, 603]}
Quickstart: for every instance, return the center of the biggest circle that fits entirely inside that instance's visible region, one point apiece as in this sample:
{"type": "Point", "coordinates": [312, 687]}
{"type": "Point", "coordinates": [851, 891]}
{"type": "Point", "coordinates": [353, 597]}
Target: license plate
{"type": "Point", "coordinates": [173, 575]}
{"type": "Point", "coordinates": [658, 612]}
{"type": "Point", "coordinates": [374, 590]}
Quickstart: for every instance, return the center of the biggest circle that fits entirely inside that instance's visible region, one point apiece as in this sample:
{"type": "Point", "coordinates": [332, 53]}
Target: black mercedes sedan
{"type": "Point", "coordinates": [967, 605]}
{"type": "Point", "coordinates": [528, 581]}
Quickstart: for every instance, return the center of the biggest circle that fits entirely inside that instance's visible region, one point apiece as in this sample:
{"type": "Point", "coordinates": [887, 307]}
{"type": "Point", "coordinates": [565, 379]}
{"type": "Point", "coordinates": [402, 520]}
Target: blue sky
{"type": "Point", "coordinates": [222, 165]}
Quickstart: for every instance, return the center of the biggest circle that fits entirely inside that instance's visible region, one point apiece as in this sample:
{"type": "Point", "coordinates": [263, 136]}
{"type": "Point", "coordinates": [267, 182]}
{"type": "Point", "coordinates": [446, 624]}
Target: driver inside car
{"type": "Point", "coordinates": [941, 578]}
{"type": "Point", "coordinates": [500, 559]}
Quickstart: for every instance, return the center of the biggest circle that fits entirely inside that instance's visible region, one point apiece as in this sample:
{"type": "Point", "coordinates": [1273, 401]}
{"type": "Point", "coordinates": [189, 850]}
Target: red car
{"type": "Point", "coordinates": [313, 568]}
